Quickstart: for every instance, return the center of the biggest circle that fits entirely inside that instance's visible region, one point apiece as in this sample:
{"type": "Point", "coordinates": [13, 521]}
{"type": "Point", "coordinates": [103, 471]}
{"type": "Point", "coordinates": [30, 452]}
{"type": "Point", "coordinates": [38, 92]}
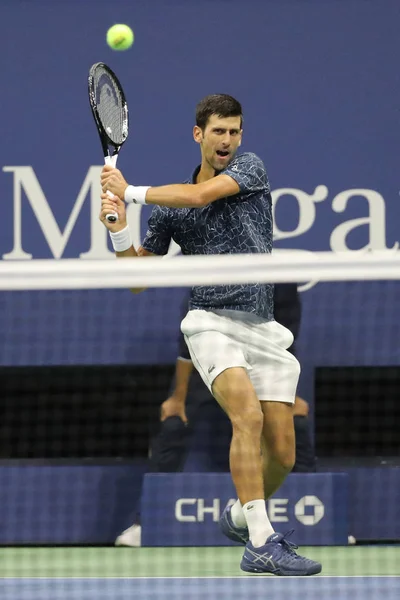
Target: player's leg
{"type": "Point", "coordinates": [217, 347]}
{"type": "Point", "coordinates": [278, 451]}
{"type": "Point", "coordinates": [275, 375]}
{"type": "Point", "coordinates": [235, 394]}
{"type": "Point", "coordinates": [277, 555]}
{"type": "Point", "coordinates": [278, 444]}
{"type": "Point", "coordinates": [220, 360]}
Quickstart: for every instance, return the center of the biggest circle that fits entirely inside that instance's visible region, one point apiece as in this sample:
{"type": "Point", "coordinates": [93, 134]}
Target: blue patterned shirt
{"type": "Point", "coordinates": [238, 224]}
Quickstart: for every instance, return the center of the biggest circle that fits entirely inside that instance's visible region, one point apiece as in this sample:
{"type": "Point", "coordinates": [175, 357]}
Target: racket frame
{"type": "Point", "coordinates": [110, 156]}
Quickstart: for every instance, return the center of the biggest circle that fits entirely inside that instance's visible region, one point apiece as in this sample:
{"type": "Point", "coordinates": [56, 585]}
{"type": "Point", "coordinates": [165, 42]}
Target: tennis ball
{"type": "Point", "coordinates": [120, 37]}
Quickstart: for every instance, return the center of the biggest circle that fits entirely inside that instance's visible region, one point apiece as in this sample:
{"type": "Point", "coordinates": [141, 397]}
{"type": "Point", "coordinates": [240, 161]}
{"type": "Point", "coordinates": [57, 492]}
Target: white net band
{"type": "Point", "coordinates": [198, 270]}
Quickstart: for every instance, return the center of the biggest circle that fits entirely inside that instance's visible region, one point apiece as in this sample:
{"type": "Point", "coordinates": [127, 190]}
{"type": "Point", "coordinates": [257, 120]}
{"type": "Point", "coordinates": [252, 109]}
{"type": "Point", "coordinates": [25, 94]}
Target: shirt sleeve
{"type": "Point", "coordinates": [249, 173]}
{"type": "Point", "coordinates": [159, 232]}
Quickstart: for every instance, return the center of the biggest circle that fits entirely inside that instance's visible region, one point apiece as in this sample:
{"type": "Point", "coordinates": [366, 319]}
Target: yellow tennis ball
{"type": "Point", "coordinates": [120, 37]}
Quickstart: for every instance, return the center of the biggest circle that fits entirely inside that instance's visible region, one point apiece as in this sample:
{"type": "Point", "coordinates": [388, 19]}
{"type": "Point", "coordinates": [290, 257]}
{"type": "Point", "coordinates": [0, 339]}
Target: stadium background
{"type": "Point", "coordinates": [83, 372]}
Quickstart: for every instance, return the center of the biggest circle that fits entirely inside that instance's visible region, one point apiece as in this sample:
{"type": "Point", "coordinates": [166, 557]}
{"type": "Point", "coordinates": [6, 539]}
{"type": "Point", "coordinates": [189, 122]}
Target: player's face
{"type": "Point", "coordinates": [219, 140]}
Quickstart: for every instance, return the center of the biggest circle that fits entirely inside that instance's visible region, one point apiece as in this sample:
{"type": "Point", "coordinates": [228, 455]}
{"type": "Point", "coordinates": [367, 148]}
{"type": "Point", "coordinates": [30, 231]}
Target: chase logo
{"type": "Point", "coordinates": [309, 510]}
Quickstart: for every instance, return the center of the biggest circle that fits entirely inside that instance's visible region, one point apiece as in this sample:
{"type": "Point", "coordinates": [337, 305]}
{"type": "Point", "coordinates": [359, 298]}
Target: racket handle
{"type": "Point", "coordinates": [112, 217]}
{"type": "Point", "coordinates": [111, 160]}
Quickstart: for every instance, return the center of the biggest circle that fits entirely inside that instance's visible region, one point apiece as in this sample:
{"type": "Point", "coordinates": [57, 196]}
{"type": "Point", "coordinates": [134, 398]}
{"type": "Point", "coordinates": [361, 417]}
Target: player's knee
{"type": "Point", "coordinates": [248, 421]}
{"type": "Point", "coordinates": [281, 450]}
{"type": "Point", "coordinates": [284, 455]}
{"type": "Point", "coordinates": [288, 459]}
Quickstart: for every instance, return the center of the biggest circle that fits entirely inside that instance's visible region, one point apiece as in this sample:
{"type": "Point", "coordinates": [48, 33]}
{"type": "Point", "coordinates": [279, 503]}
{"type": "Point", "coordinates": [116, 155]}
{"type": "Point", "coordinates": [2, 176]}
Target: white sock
{"type": "Point", "coordinates": [237, 514]}
{"type": "Point", "coordinates": [260, 528]}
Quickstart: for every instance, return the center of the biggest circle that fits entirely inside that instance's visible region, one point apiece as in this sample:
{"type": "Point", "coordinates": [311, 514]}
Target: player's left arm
{"type": "Point", "coordinates": [193, 195]}
{"type": "Point", "coordinates": [246, 174]}
{"type": "Point", "coordinates": [176, 195]}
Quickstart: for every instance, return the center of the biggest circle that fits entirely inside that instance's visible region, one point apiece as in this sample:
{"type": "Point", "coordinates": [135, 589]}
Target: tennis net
{"type": "Point", "coordinates": [88, 472]}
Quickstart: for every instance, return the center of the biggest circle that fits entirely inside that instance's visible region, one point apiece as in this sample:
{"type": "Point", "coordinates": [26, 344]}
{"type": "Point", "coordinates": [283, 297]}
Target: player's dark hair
{"type": "Point", "coordinates": [221, 105]}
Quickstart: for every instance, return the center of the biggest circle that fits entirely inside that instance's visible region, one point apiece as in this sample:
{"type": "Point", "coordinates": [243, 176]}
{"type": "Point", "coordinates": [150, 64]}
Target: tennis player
{"type": "Point", "coordinates": [234, 342]}
{"type": "Point", "coordinates": [190, 417]}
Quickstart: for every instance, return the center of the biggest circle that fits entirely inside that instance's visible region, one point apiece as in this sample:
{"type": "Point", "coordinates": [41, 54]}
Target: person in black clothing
{"type": "Point", "coordinates": [287, 311]}
{"type": "Point", "coordinates": [191, 416]}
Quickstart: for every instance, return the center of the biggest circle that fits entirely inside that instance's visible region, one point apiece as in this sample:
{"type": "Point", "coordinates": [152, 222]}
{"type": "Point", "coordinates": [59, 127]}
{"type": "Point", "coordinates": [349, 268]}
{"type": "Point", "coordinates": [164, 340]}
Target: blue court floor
{"type": "Point", "coordinates": [202, 588]}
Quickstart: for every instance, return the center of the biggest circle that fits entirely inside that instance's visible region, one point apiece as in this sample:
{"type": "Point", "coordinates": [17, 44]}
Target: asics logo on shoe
{"type": "Point", "coordinates": [264, 559]}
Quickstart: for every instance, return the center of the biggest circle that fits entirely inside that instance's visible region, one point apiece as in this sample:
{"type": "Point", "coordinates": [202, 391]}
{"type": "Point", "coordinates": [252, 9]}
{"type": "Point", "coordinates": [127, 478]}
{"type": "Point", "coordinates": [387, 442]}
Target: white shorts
{"type": "Point", "coordinates": [217, 343]}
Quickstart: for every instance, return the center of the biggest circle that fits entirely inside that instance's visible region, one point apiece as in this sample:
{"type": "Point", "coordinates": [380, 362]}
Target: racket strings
{"type": "Point", "coordinates": [110, 106]}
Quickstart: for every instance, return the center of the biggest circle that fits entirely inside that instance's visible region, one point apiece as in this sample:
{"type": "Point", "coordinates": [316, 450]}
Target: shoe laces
{"type": "Point", "coordinates": [288, 546]}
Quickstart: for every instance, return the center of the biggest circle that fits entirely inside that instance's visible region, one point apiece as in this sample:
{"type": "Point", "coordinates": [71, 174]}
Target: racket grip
{"type": "Point", "coordinates": [111, 160]}
{"type": "Point", "coordinates": [112, 217]}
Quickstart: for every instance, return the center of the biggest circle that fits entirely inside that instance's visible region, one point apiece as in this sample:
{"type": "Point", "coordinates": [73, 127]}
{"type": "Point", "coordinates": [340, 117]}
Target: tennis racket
{"type": "Point", "coordinates": [110, 112]}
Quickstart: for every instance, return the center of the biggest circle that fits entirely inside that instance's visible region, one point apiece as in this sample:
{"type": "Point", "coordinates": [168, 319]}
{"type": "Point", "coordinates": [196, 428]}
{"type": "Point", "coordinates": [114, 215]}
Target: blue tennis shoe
{"type": "Point", "coordinates": [237, 534]}
{"type": "Point", "coordinates": [279, 557]}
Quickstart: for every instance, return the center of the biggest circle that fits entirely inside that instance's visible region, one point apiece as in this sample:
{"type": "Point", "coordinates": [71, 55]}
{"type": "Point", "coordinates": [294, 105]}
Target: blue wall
{"type": "Point", "coordinates": [319, 82]}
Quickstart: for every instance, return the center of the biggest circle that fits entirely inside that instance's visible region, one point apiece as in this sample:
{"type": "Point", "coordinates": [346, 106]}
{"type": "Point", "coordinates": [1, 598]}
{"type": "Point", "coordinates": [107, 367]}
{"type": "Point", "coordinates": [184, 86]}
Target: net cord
{"type": "Point", "coordinates": [184, 271]}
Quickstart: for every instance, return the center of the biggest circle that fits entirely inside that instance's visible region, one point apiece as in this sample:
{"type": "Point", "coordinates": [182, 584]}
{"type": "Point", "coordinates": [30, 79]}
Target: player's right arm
{"type": "Point", "coordinates": [156, 241]}
{"type": "Point", "coordinates": [111, 205]}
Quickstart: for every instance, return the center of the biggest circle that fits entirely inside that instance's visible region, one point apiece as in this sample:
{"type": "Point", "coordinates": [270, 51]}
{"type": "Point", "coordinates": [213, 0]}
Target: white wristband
{"type": "Point", "coordinates": [121, 240]}
{"type": "Point", "coordinates": [136, 194]}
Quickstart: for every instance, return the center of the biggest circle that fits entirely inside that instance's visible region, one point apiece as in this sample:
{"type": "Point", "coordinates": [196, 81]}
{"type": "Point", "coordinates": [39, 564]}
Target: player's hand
{"type": "Point", "coordinates": [173, 407]}
{"type": "Point", "coordinates": [112, 180]}
{"type": "Point", "coordinates": [113, 205]}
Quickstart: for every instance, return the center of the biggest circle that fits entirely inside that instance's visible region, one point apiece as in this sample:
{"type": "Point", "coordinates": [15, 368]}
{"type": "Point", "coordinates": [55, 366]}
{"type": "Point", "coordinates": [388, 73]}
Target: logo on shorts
{"type": "Point", "coordinates": [211, 369]}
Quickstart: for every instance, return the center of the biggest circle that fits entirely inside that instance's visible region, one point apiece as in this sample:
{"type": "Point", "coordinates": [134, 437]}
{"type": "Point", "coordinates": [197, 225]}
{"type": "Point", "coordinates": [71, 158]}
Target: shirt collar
{"type": "Point", "coordinates": [196, 172]}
